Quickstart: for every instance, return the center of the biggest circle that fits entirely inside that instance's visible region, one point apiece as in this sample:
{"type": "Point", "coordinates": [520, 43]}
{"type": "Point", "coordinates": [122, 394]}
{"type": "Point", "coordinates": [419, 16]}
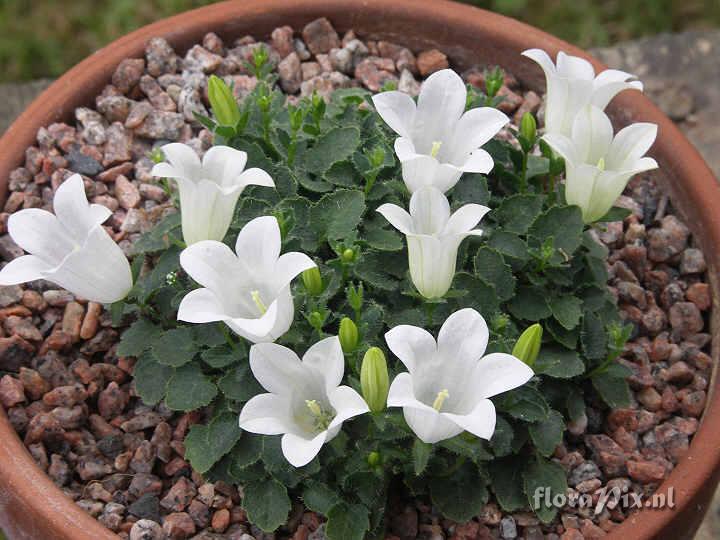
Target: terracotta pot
{"type": "Point", "coordinates": [32, 507]}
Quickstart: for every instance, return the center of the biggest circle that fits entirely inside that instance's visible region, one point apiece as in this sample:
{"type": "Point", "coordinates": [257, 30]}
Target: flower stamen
{"type": "Point", "coordinates": [258, 301]}
{"type": "Point", "coordinates": [440, 399]}
{"type": "Point", "coordinates": [322, 418]}
{"type": "Point", "coordinates": [435, 148]}
{"type": "Point", "coordinates": [601, 164]}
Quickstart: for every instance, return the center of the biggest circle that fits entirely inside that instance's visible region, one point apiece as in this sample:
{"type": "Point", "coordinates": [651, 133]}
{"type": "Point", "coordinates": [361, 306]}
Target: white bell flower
{"type": "Point", "coordinates": [209, 190]}
{"type": "Point", "coordinates": [70, 248]}
{"type": "Point", "coordinates": [572, 85]}
{"type": "Point", "coordinates": [248, 290]}
{"type": "Point", "coordinates": [598, 166]}
{"type": "Point", "coordinates": [306, 403]}
{"type": "Point", "coordinates": [437, 141]}
{"type": "Point", "coordinates": [433, 237]}
{"type": "Point", "coordinates": [446, 388]}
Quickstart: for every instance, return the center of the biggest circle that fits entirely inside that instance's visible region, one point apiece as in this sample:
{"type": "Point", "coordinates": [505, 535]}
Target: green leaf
{"type": "Point", "coordinates": [209, 335]}
{"type": "Point", "coordinates": [524, 403]}
{"type": "Point", "coordinates": [383, 239]}
{"type": "Point", "coordinates": [347, 522]}
{"type": "Point", "coordinates": [319, 497]}
{"type": "Point", "coordinates": [267, 504]}
{"type": "Point", "coordinates": [206, 445]}
{"type": "Point", "coordinates": [593, 337]}
{"type": "Point", "coordinates": [336, 145]}
{"type": "Point", "coordinates": [616, 213]}
{"type": "Point", "coordinates": [564, 224]}
{"type": "Point", "coordinates": [343, 174]}
{"type": "Point", "coordinates": [160, 237]}
{"type": "Point", "coordinates": [529, 304]}
{"type": "Point", "coordinates": [372, 268]}
{"type": "Point", "coordinates": [490, 266]}
{"type": "Point", "coordinates": [507, 483]}
{"type": "Point", "coordinates": [239, 384]}
{"type": "Point", "coordinates": [247, 451]}
{"type": "Point", "coordinates": [467, 446]}
{"type": "Point", "coordinates": [567, 310]}
{"type": "Point", "coordinates": [477, 294]}
{"type": "Point", "coordinates": [138, 338]}
{"type": "Point", "coordinates": [510, 246]}
{"type": "Point", "coordinates": [338, 214]}
{"type": "Point", "coordinates": [613, 390]}
{"type": "Point", "coordinates": [175, 347]}
{"type": "Point", "coordinates": [461, 496]}
{"type": "Point", "coordinates": [548, 434]}
{"type": "Point", "coordinates": [559, 362]}
{"type": "Point", "coordinates": [517, 212]}
{"type": "Point", "coordinates": [472, 188]}
{"type": "Point", "coordinates": [189, 389]}
{"type": "Point", "coordinates": [421, 453]}
{"type": "Point", "coordinates": [501, 441]}
{"type": "Point", "coordinates": [151, 378]}
{"type": "Point", "coordinates": [224, 355]}
{"type": "Point", "coordinates": [537, 166]}
{"type": "Point", "coordinates": [542, 480]}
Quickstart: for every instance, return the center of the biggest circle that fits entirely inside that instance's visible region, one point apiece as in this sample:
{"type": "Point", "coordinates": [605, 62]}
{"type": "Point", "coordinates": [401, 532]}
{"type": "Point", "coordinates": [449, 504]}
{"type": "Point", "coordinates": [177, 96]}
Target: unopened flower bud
{"type": "Point", "coordinates": [348, 335]}
{"type": "Point", "coordinates": [374, 379]}
{"type": "Point", "coordinates": [312, 280]}
{"type": "Point", "coordinates": [316, 320]}
{"type": "Point", "coordinates": [355, 296]}
{"type": "Point", "coordinates": [374, 459]}
{"type": "Point", "coordinates": [528, 127]}
{"type": "Point", "coordinates": [223, 103]}
{"type": "Point", "coordinates": [348, 256]}
{"type": "Point", "coordinates": [527, 347]}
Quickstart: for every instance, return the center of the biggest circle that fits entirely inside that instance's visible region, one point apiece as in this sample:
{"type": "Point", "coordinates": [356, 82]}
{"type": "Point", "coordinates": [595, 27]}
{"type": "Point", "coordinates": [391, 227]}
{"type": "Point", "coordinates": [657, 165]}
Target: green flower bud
{"type": "Point", "coordinates": [527, 347]}
{"type": "Point", "coordinates": [374, 459]}
{"type": "Point", "coordinates": [312, 280]}
{"type": "Point", "coordinates": [355, 297]}
{"type": "Point", "coordinates": [374, 379]}
{"type": "Point", "coordinates": [316, 320]}
{"type": "Point", "coordinates": [223, 103]}
{"type": "Point", "coordinates": [348, 335]}
{"type": "Point", "coordinates": [528, 127]}
{"type": "Point", "coordinates": [348, 255]}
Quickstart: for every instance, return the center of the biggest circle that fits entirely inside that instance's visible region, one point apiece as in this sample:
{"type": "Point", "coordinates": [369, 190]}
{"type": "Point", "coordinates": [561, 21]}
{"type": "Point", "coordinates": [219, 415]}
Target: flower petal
{"type": "Point", "coordinates": [564, 146]}
{"type": "Point", "coordinates": [574, 67]}
{"type": "Point", "coordinates": [463, 338]}
{"type": "Point", "coordinates": [326, 356]}
{"type": "Point", "coordinates": [402, 393]}
{"type": "Point", "coordinates": [592, 134]}
{"type": "Point", "coordinates": [475, 128]}
{"type": "Point", "coordinates": [397, 217]}
{"type": "Point", "coordinates": [258, 245]}
{"type": "Point", "coordinates": [611, 82]}
{"type": "Point", "coordinates": [213, 265]}
{"type": "Point", "coordinates": [300, 451]}
{"type": "Point", "coordinates": [289, 266]}
{"type": "Point", "coordinates": [23, 269]}
{"type": "Point", "coordinates": [431, 426]}
{"type": "Point", "coordinates": [499, 372]}
{"type": "Point", "coordinates": [440, 104]}
{"type": "Point", "coordinates": [347, 404]}
{"type": "Point", "coordinates": [543, 60]}
{"type": "Point", "coordinates": [397, 109]}
{"type": "Point", "coordinates": [256, 177]}
{"type": "Point", "coordinates": [277, 368]}
{"type": "Point", "coordinates": [478, 162]}
{"type": "Point", "coordinates": [630, 144]}
{"type": "Point", "coordinates": [201, 306]}
{"type": "Point", "coordinates": [412, 345]}
{"type": "Point", "coordinates": [480, 421]}
{"type": "Point", "coordinates": [40, 233]}
{"type": "Point", "coordinates": [465, 218]}
{"type": "Point", "coordinates": [223, 165]}
{"type": "Point", "coordinates": [184, 161]}
{"type": "Point", "coordinates": [267, 414]}
{"type": "Point", "coordinates": [430, 211]}
{"type": "Point", "coordinates": [73, 210]}
{"type": "Point", "coordinates": [259, 328]}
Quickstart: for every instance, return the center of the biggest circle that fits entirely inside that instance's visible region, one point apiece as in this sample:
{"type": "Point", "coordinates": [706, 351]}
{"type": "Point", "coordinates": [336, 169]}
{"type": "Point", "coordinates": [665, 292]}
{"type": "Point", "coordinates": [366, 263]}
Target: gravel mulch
{"type": "Point", "coordinates": [69, 395]}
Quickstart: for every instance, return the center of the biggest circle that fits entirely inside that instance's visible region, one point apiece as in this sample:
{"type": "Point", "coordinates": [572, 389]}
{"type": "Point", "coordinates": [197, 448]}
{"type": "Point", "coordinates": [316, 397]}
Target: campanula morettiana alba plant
{"type": "Point", "coordinates": [371, 293]}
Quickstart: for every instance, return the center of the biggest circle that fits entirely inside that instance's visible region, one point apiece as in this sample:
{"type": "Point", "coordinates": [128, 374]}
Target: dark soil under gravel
{"type": "Point", "coordinates": [70, 397]}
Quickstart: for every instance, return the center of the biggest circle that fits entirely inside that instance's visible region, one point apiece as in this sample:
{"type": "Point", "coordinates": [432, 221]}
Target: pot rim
{"type": "Point", "coordinates": [466, 34]}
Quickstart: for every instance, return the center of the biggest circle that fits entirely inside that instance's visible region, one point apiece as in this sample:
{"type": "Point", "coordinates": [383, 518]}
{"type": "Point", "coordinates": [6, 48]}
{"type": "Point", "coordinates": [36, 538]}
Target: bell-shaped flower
{"type": "Point", "coordinates": [248, 290]}
{"type": "Point", "coordinates": [598, 166]}
{"type": "Point", "coordinates": [433, 237]}
{"type": "Point", "coordinates": [70, 248]}
{"type": "Point", "coordinates": [305, 402]}
{"type": "Point", "coordinates": [572, 85]}
{"type": "Point", "coordinates": [437, 141]}
{"type": "Point", "coordinates": [209, 190]}
{"type": "Point", "coordinates": [446, 388]}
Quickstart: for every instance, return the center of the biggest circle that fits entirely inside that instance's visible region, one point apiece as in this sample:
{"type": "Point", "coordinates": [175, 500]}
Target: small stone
{"type": "Point", "coordinates": [490, 514]}
{"type": "Point", "coordinates": [143, 459]}
{"type": "Point", "coordinates": [161, 57]}
{"type": "Point", "coordinates": [221, 520]}
{"type": "Point", "coordinates": [138, 113]}
{"type": "Point", "coordinates": [112, 401]}
{"type": "Point", "coordinates": [178, 526]}
{"type": "Point", "coordinates": [92, 468]}
{"type": "Point", "coordinates": [146, 529]}
{"type": "Point", "coordinates": [10, 294]}
{"type": "Point", "coordinates": [290, 73]}
{"type": "Point", "coordinates": [679, 373]}
{"type": "Point", "coordinates": [668, 240]}
{"type": "Point", "coordinates": [430, 61]}
{"type": "Point", "coordinates": [91, 321]}
{"type": "Point", "coordinates": [146, 507]}
{"type": "Point", "coordinates": [511, 101]}
{"type": "Point", "coordinates": [65, 396]}
{"type": "Point", "coordinates": [281, 40]}
{"type": "Point", "coordinates": [200, 59]}
{"type": "Point", "coordinates": [109, 175]}
{"type": "Point", "coordinates": [341, 60]}
{"type": "Point", "coordinates": [693, 404]}
{"type": "Point", "coordinates": [161, 125]}
{"type": "Point", "coordinates": [587, 470]}
{"type": "Point", "coordinates": [59, 471]}
{"type": "Point", "coordinates": [179, 495]}
{"type": "Point", "coordinates": [408, 84]}
{"type": "Point", "coordinates": [33, 383]}
{"type": "Point", "coordinates": [34, 301]}
{"type": "Point", "coordinates": [645, 472]}
{"type": "Point", "coordinates": [142, 421]}
{"type": "Point", "coordinates": [685, 319]}
{"type": "Point", "coordinates": [144, 483]}
{"type": "Point", "coordinates": [14, 352]}
{"type": "Point", "coordinates": [12, 391]}
{"type": "Point", "coordinates": [72, 320]}
{"type": "Point", "coordinates": [371, 75]}
{"type": "Point", "coordinates": [699, 294]}
{"type": "Point", "coordinates": [128, 74]}
{"type": "Point", "coordinates": [83, 164]}
{"type": "Point", "coordinates": [508, 528]}
{"type": "Point", "coordinates": [320, 36]}
{"type": "Point", "coordinates": [650, 398]}
{"type": "Point", "coordinates": [692, 262]}
{"type": "Point", "coordinates": [126, 193]}
{"type": "Point", "coordinates": [118, 147]}
{"type": "Point", "coordinates": [23, 327]}
{"type": "Point", "coordinates": [590, 531]}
